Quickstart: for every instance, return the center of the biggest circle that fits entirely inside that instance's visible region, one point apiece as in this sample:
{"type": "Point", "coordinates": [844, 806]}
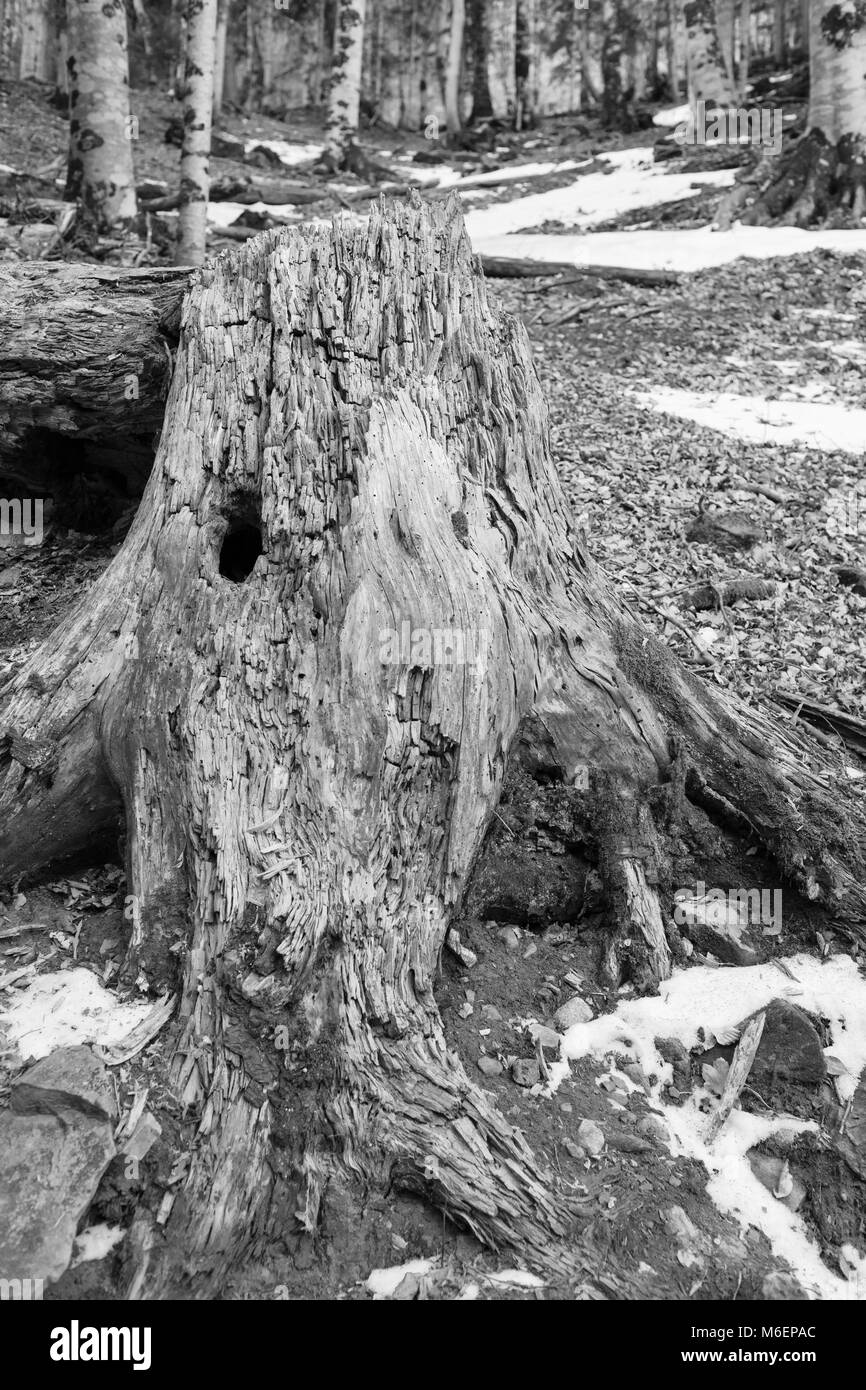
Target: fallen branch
{"type": "Point", "coordinates": [520, 268]}
{"type": "Point", "coordinates": [716, 596]}
{"type": "Point", "coordinates": [737, 1073]}
{"type": "Point", "coordinates": [851, 730]}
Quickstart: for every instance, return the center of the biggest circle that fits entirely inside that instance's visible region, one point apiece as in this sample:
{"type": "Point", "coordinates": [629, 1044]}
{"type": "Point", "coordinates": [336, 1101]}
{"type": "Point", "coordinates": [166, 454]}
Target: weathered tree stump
{"type": "Point", "coordinates": [356, 440]}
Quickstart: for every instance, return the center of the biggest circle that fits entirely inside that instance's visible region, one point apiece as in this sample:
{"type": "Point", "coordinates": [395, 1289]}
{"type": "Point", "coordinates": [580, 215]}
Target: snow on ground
{"type": "Point", "coordinates": [674, 115]}
{"type": "Point", "coordinates": [444, 176]}
{"type": "Point", "coordinates": [719, 999]}
{"type": "Point", "coordinates": [290, 153]}
{"type": "Point", "coordinates": [65, 1008]}
{"type": "Point", "coordinates": [820, 425]}
{"type": "Point", "coordinates": [633, 181]}
{"type": "Point", "coordinates": [666, 248]}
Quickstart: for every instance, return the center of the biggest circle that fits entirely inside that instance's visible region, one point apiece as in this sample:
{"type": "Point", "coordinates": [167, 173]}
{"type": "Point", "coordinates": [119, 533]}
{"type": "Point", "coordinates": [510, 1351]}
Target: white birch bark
{"type": "Point", "coordinates": [100, 171]}
{"type": "Point", "coordinates": [345, 91]}
{"type": "Point", "coordinates": [455, 62]}
{"type": "Point", "coordinates": [201, 18]}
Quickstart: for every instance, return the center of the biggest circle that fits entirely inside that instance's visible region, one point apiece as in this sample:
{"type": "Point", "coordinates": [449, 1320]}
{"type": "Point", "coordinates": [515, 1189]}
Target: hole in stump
{"type": "Point", "coordinates": [241, 547]}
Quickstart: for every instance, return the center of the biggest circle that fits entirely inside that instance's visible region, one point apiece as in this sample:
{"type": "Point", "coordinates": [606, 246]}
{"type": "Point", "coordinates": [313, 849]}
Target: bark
{"type": "Point", "coordinates": [745, 28]}
{"type": "Point", "coordinates": [454, 68]}
{"type": "Point", "coordinates": [198, 90]}
{"type": "Point", "coordinates": [725, 14]}
{"type": "Point", "coordinates": [482, 105]}
{"type": "Point", "coordinates": [345, 89]}
{"type": "Point", "coordinates": [825, 170]}
{"type": "Point", "coordinates": [36, 58]}
{"type": "Point", "coordinates": [355, 439]}
{"type": "Point", "coordinates": [780, 51]}
{"type": "Point", "coordinates": [220, 56]}
{"type": "Point", "coordinates": [674, 49]}
{"type": "Point", "coordinates": [85, 360]}
{"type": "Point", "coordinates": [100, 172]}
{"type": "Point", "coordinates": [523, 63]}
{"type": "Point", "coordinates": [708, 77]}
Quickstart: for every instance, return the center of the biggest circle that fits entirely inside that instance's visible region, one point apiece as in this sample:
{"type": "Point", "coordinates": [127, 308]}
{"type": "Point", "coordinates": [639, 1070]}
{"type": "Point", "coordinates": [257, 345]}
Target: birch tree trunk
{"type": "Point", "coordinates": [198, 89]}
{"type": "Point", "coordinates": [100, 173]}
{"type": "Point", "coordinates": [708, 77]}
{"type": "Point", "coordinates": [454, 68]}
{"type": "Point", "coordinates": [220, 44]}
{"type": "Point", "coordinates": [345, 89]}
{"type": "Point", "coordinates": [822, 176]}
{"type": "Point", "coordinates": [36, 59]}
{"type": "Point", "coordinates": [356, 439]}
{"type": "Point", "coordinates": [482, 105]}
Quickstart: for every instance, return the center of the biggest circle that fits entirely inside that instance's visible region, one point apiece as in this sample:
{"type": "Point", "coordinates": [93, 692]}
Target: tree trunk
{"type": "Point", "coordinates": [482, 106]}
{"type": "Point", "coordinates": [345, 89]}
{"type": "Point", "coordinates": [198, 89]}
{"type": "Point", "coordinates": [355, 441]}
{"type": "Point", "coordinates": [220, 44]}
{"type": "Point", "coordinates": [36, 59]}
{"type": "Point", "coordinates": [725, 13]}
{"type": "Point", "coordinates": [454, 68]}
{"type": "Point", "coordinates": [709, 80]}
{"type": "Point", "coordinates": [100, 173]}
{"type": "Point", "coordinates": [824, 172]}
{"type": "Point", "coordinates": [745, 27]}
{"type": "Point", "coordinates": [674, 50]}
{"type": "Point", "coordinates": [780, 53]}
{"type": "Point", "coordinates": [523, 63]}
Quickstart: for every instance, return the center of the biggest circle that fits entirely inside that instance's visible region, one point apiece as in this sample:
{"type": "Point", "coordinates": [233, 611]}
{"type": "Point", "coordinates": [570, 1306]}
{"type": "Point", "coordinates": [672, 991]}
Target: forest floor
{"type": "Point", "coordinates": [765, 484]}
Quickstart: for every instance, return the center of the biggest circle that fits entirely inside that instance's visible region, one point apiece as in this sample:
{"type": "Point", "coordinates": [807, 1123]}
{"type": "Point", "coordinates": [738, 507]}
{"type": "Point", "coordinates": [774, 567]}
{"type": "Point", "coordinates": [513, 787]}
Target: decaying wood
{"type": "Point", "coordinates": [86, 353]}
{"type": "Point", "coordinates": [356, 439]}
{"type": "Point", "coordinates": [849, 728]}
{"type": "Point", "coordinates": [728, 591]}
{"type": "Point", "coordinates": [738, 1072]}
{"type": "Point", "coordinates": [521, 268]}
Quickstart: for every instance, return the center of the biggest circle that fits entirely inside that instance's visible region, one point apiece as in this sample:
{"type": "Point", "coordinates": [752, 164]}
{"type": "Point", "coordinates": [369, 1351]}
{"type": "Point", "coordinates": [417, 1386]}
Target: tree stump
{"type": "Point", "coordinates": [351, 582]}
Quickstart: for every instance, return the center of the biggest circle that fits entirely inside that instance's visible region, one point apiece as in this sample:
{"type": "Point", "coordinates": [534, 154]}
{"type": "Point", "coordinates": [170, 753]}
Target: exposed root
{"type": "Point", "coordinates": [809, 183]}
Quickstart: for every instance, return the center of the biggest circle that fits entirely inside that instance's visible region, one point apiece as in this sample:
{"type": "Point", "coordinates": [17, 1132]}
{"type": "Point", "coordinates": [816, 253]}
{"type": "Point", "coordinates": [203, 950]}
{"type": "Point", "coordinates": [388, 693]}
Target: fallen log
{"type": "Point", "coordinates": [850, 729]}
{"type": "Point", "coordinates": [85, 358]}
{"type": "Point", "coordinates": [521, 268]}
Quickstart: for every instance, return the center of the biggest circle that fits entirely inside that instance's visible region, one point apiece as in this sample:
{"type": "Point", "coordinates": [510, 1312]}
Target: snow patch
{"type": "Point", "coordinates": [65, 1008]}
{"type": "Point", "coordinates": [383, 1282]}
{"type": "Point", "coordinates": [718, 999]}
{"type": "Point", "coordinates": [819, 425]}
{"type": "Point", "coordinates": [631, 181]}
{"type": "Point", "coordinates": [289, 153]}
{"type": "Point", "coordinates": [684, 249]}
{"type": "Point", "coordinates": [95, 1243]}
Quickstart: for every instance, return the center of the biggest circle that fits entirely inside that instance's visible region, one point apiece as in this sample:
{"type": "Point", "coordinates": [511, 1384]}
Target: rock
{"type": "Point", "coordinates": [566, 1107]}
{"type": "Point", "coordinates": [770, 1171]}
{"type": "Point", "coordinates": [525, 1071]}
{"type": "Point", "coordinates": [491, 1012]}
{"type": "Point", "coordinates": [466, 1010]}
{"type": "Point", "coordinates": [574, 1010]}
{"type": "Point", "coordinates": [628, 1143]}
{"type": "Point", "coordinates": [573, 1149]}
{"type": "Point", "coordinates": [591, 1137]}
{"type": "Point", "coordinates": [548, 1037]}
{"type": "Point", "coordinates": [672, 1051]}
{"type": "Point", "coordinates": [49, 1171]}
{"type": "Point", "coordinates": [510, 937]}
{"type": "Point", "coordinates": [783, 1288]}
{"type": "Point", "coordinates": [654, 1128]}
{"type": "Point", "coordinates": [637, 1074]}
{"type": "Point", "coordinates": [71, 1078]}
{"type": "Point", "coordinates": [407, 1289]}
{"type": "Point", "coordinates": [790, 1049]}
{"type": "Point", "coordinates": [489, 1066]}
{"type": "Point", "coordinates": [680, 1226]}
{"type": "Point", "coordinates": [852, 1144]}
